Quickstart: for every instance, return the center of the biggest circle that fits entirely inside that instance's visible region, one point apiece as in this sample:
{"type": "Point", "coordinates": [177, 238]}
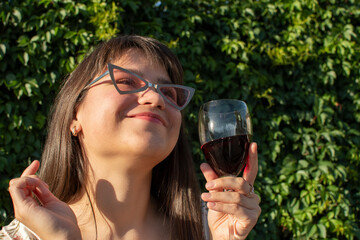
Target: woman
{"type": "Point", "coordinates": [116, 164]}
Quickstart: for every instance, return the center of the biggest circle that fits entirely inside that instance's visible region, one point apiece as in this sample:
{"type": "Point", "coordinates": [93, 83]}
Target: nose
{"type": "Point", "coordinates": [151, 97]}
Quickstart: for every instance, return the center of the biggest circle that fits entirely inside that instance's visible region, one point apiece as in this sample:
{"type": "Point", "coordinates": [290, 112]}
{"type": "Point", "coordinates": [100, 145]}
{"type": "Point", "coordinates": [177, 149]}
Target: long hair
{"type": "Point", "coordinates": [64, 166]}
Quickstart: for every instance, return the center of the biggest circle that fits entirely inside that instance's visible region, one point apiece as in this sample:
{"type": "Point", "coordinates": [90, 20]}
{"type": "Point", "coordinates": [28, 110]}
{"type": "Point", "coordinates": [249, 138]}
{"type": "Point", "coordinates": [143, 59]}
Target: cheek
{"type": "Point", "coordinates": [106, 101]}
{"type": "Point", "coordinates": [176, 119]}
{"type": "Point", "coordinates": [102, 113]}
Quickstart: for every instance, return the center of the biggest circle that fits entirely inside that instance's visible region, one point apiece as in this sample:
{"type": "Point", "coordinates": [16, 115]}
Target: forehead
{"type": "Point", "coordinates": [137, 62]}
{"type": "Point", "coordinates": [134, 57]}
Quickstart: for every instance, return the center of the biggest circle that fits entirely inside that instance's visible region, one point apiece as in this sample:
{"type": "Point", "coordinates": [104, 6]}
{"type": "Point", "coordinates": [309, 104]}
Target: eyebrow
{"type": "Point", "coordinates": [160, 80]}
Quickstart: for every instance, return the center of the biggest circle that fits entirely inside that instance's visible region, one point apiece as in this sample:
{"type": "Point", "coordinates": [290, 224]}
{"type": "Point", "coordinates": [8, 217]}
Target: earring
{"type": "Point", "coordinates": [73, 131]}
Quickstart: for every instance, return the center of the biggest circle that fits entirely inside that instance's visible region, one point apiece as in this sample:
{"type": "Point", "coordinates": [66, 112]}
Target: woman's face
{"type": "Point", "coordinates": [140, 125]}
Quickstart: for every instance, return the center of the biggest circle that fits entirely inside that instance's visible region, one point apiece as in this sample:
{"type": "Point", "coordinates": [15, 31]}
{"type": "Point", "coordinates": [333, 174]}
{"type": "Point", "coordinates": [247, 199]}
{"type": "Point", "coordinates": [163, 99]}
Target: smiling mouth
{"type": "Point", "coordinates": [149, 117]}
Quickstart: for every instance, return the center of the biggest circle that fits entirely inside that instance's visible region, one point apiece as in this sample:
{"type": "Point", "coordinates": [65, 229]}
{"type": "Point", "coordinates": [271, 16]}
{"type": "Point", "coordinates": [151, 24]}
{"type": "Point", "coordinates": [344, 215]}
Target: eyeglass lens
{"type": "Point", "coordinates": [127, 82]}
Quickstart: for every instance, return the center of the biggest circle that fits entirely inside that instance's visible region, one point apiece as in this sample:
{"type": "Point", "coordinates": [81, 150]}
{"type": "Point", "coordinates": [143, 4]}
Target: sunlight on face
{"type": "Point", "coordinates": [140, 126]}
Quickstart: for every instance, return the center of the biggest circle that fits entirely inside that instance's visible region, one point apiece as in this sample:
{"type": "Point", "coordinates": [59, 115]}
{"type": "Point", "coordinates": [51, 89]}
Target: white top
{"type": "Point", "coordinates": [17, 231]}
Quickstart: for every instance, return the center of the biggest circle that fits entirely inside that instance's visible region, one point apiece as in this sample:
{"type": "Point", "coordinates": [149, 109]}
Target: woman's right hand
{"type": "Point", "coordinates": [52, 219]}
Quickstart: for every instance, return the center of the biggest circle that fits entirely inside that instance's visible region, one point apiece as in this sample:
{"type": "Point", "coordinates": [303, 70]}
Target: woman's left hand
{"type": "Point", "coordinates": [240, 202]}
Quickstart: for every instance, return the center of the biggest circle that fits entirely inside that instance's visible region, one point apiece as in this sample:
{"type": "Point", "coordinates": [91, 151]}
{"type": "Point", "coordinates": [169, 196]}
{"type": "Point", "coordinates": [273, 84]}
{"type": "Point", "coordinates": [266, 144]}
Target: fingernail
{"type": "Point", "coordinates": [206, 195]}
{"type": "Point", "coordinates": [254, 147]}
{"type": "Point", "coordinates": [209, 185]}
{"type": "Point", "coordinates": [211, 204]}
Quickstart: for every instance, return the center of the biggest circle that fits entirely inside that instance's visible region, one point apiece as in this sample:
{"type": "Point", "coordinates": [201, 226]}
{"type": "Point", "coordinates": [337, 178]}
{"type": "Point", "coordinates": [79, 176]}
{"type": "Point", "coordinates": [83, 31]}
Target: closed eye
{"type": "Point", "coordinates": [126, 84]}
{"type": "Point", "coordinates": [127, 81]}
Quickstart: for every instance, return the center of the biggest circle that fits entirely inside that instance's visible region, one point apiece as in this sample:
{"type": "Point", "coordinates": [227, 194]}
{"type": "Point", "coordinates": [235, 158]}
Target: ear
{"type": "Point", "coordinates": [75, 127]}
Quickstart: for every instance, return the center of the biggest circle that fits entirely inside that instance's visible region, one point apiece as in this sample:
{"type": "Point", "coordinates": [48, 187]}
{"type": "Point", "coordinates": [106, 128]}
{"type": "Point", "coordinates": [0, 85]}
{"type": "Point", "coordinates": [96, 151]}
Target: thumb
{"type": "Point", "coordinates": [208, 172]}
{"type": "Point", "coordinates": [251, 168]}
{"type": "Point", "coordinates": [31, 169]}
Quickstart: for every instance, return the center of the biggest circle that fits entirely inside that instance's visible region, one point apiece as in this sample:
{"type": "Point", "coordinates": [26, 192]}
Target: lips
{"type": "Point", "coordinates": [149, 116]}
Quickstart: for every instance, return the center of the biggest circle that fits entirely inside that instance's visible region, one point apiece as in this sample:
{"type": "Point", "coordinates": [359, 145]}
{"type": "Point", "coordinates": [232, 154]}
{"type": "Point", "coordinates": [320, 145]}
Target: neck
{"type": "Point", "coordinates": [120, 200]}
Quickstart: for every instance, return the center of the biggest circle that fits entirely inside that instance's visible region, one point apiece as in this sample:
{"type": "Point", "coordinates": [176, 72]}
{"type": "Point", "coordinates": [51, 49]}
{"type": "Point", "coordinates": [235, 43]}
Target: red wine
{"type": "Point", "coordinates": [227, 156]}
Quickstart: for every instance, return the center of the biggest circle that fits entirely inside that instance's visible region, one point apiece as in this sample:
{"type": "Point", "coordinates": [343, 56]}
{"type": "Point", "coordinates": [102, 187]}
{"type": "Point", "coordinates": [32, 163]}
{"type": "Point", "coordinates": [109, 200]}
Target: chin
{"type": "Point", "coordinates": [151, 143]}
{"type": "Point", "coordinates": [153, 149]}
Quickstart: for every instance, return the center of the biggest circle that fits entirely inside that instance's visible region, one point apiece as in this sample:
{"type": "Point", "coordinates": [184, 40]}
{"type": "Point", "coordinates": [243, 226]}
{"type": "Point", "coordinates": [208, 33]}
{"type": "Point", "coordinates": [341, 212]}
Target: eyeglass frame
{"type": "Point", "coordinates": [148, 84]}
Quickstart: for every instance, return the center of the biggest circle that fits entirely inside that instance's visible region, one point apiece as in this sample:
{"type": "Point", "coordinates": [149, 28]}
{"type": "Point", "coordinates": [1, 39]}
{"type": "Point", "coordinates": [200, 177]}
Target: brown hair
{"type": "Point", "coordinates": [174, 184]}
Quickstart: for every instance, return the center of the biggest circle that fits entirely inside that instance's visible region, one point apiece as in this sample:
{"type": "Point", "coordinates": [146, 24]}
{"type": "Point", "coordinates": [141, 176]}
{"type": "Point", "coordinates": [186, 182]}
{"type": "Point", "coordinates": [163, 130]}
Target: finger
{"type": "Point", "coordinates": [232, 197]}
{"type": "Point", "coordinates": [237, 184]}
{"type": "Point", "coordinates": [236, 210]}
{"type": "Point", "coordinates": [20, 188]}
{"type": "Point", "coordinates": [208, 172]}
{"type": "Point", "coordinates": [40, 189]}
{"type": "Point", "coordinates": [31, 169]}
{"type": "Point", "coordinates": [44, 195]}
{"type": "Point", "coordinates": [251, 168]}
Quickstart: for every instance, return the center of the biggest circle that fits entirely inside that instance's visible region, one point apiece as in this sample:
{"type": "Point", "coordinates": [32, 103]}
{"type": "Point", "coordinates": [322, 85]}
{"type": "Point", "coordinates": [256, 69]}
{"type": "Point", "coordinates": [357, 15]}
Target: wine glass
{"type": "Point", "coordinates": [225, 134]}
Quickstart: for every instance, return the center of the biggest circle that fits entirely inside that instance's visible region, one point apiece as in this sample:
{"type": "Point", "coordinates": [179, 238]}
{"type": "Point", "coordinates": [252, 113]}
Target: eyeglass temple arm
{"type": "Point", "coordinates": [97, 79]}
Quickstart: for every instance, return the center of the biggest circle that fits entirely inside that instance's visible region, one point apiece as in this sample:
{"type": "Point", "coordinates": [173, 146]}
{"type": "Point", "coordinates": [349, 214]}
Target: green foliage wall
{"type": "Point", "coordinates": [296, 63]}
